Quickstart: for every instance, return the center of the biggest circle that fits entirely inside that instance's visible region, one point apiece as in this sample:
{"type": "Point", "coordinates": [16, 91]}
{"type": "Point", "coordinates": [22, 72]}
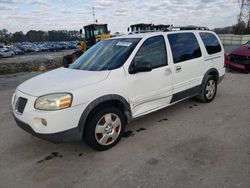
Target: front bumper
{"type": "Point", "coordinates": [237, 66]}
{"type": "Point", "coordinates": [64, 136]}
{"type": "Point", "coordinates": [62, 125]}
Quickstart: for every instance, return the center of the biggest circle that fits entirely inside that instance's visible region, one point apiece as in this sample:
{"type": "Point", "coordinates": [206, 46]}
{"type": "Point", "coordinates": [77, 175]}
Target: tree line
{"type": "Point", "coordinates": [38, 36]}
{"type": "Point", "coordinates": [240, 28]}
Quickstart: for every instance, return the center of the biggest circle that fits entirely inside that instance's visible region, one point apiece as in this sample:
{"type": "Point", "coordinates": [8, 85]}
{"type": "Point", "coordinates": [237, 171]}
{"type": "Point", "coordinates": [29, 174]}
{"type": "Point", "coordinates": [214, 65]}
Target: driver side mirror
{"type": "Point", "coordinates": [140, 67]}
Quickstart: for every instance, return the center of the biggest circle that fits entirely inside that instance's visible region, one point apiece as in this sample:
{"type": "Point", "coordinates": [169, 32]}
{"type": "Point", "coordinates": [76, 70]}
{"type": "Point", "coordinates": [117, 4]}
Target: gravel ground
{"type": "Point", "coordinates": [190, 144]}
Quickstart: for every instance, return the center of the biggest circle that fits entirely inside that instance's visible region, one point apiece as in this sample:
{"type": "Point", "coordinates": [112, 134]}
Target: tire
{"type": "Point", "coordinates": [104, 128]}
{"type": "Point", "coordinates": [209, 89]}
{"type": "Point", "coordinates": [74, 57]}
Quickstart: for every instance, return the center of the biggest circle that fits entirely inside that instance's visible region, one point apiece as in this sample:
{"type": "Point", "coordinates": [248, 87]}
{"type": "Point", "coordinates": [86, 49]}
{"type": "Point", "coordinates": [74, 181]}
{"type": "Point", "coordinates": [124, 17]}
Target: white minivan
{"type": "Point", "coordinates": [117, 80]}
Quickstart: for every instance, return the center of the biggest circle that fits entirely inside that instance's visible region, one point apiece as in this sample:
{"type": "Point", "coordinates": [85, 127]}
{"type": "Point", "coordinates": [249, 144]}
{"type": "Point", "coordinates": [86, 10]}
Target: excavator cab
{"type": "Point", "coordinates": [95, 32]}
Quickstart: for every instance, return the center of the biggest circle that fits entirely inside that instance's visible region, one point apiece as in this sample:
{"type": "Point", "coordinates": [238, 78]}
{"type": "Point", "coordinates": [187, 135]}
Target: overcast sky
{"type": "Point", "coordinates": [24, 15]}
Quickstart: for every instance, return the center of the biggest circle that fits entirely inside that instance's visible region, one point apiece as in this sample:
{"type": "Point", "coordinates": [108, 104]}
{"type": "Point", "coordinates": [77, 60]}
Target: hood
{"type": "Point", "coordinates": [61, 80]}
{"type": "Point", "coordinates": [243, 50]}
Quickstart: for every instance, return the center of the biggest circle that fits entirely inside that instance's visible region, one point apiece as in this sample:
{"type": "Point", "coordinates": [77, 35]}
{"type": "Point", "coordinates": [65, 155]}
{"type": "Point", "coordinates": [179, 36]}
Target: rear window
{"type": "Point", "coordinates": [184, 46]}
{"type": "Point", "coordinates": [211, 43]}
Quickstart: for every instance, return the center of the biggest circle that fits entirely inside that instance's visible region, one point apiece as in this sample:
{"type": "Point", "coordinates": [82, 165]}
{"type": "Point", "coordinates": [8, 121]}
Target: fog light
{"type": "Point", "coordinates": [44, 121]}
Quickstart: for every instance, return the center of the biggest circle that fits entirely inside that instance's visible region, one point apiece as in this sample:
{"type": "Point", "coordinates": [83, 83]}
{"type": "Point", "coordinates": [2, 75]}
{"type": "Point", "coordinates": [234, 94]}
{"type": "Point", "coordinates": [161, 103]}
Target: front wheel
{"type": "Point", "coordinates": [209, 89]}
{"type": "Point", "coordinates": [104, 128]}
{"type": "Point", "coordinates": [74, 57]}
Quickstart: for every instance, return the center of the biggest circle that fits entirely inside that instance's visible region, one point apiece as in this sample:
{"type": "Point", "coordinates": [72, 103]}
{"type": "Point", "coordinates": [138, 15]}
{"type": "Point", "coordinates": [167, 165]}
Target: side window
{"type": "Point", "coordinates": [152, 51]}
{"type": "Point", "coordinates": [211, 42]}
{"type": "Point", "coordinates": [184, 46]}
{"type": "Point", "coordinates": [87, 34]}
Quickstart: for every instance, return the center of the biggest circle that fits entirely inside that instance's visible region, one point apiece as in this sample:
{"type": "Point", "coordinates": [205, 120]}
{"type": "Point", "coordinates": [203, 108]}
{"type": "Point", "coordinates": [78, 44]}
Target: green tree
{"type": "Point", "coordinates": [18, 37]}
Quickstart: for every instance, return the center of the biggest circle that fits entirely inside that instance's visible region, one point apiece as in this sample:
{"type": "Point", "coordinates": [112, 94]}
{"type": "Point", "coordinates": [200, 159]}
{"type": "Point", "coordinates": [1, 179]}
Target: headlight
{"type": "Point", "coordinates": [55, 101]}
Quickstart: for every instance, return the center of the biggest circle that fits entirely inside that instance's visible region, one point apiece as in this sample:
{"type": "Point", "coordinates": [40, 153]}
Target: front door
{"type": "Point", "coordinates": [152, 90]}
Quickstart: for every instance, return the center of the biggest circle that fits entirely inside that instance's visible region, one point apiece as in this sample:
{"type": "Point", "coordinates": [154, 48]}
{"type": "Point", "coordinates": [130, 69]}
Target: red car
{"type": "Point", "coordinates": [239, 58]}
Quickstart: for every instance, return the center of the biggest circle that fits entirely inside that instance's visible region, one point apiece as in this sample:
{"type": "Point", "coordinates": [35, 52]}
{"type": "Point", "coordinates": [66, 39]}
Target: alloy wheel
{"type": "Point", "coordinates": [108, 129]}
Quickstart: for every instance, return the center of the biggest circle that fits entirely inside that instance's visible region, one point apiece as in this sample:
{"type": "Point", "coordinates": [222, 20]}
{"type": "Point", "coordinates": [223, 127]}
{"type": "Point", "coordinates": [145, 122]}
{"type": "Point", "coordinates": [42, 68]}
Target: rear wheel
{"type": "Point", "coordinates": [104, 128]}
{"type": "Point", "coordinates": [209, 89]}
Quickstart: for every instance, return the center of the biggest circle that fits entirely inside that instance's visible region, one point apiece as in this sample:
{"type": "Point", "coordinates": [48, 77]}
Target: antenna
{"type": "Point", "coordinates": [93, 8]}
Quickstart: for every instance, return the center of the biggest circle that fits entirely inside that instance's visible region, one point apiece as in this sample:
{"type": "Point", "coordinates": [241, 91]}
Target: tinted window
{"type": "Point", "coordinates": [152, 51]}
{"type": "Point", "coordinates": [106, 55]}
{"type": "Point", "coordinates": [211, 43]}
{"type": "Point", "coordinates": [184, 46]}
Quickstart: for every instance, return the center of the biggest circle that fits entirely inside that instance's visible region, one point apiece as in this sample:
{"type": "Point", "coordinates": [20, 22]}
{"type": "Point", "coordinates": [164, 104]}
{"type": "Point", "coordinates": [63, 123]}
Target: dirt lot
{"type": "Point", "coordinates": [36, 61]}
{"type": "Point", "coordinates": [187, 145]}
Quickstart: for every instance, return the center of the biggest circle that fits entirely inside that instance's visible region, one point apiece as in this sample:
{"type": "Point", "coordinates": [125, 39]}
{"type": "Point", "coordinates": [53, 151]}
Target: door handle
{"type": "Point", "coordinates": [178, 68]}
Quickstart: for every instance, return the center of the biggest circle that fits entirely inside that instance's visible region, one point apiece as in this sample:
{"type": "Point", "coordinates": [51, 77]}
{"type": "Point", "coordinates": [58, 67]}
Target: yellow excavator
{"type": "Point", "coordinates": [93, 34]}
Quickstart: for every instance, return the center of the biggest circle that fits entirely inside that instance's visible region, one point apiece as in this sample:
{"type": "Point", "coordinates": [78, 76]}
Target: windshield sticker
{"type": "Point", "coordinates": [127, 44]}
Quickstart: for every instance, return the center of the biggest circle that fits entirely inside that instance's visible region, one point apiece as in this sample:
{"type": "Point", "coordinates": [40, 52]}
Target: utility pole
{"type": "Point", "coordinates": [93, 8]}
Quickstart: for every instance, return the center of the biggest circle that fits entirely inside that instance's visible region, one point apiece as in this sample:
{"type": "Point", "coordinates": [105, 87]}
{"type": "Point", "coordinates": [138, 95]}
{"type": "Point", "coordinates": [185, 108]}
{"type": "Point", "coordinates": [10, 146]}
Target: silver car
{"type": "Point", "coordinates": [4, 52]}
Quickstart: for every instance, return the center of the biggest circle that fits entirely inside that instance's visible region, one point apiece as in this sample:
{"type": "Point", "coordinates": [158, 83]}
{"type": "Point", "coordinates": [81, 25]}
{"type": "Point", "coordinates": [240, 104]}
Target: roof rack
{"type": "Point", "coordinates": [180, 28]}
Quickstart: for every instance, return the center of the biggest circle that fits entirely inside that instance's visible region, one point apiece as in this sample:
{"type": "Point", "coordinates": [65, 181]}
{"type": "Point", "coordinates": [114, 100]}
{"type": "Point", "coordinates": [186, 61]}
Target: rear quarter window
{"type": "Point", "coordinates": [184, 46]}
{"type": "Point", "coordinates": [211, 43]}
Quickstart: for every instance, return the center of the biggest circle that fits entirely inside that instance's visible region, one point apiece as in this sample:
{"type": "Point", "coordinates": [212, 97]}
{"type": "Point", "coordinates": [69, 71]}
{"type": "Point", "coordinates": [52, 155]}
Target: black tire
{"type": "Point", "coordinates": [204, 96]}
{"type": "Point", "coordinates": [67, 60]}
{"type": "Point", "coordinates": [74, 57]}
{"type": "Point", "coordinates": [89, 134]}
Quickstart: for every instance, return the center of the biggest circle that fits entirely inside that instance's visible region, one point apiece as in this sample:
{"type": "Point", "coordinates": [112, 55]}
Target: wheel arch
{"type": "Point", "coordinates": [214, 72]}
{"type": "Point", "coordinates": [112, 100]}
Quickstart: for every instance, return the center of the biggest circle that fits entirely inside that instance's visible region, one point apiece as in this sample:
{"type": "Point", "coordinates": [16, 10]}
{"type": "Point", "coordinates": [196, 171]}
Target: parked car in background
{"type": "Point", "coordinates": [17, 51]}
{"type": "Point", "coordinates": [5, 52]}
{"type": "Point", "coordinates": [46, 46]}
{"type": "Point", "coordinates": [239, 58]}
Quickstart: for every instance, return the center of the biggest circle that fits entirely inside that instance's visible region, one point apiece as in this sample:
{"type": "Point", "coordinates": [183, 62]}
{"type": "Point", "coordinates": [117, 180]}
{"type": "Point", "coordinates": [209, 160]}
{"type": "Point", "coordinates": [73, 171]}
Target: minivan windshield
{"type": "Point", "coordinates": [106, 55]}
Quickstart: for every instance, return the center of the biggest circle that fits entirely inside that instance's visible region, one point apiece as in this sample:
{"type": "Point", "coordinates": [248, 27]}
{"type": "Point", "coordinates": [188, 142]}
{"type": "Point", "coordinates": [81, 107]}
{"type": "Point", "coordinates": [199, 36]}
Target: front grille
{"type": "Point", "coordinates": [239, 59]}
{"type": "Point", "coordinates": [20, 104]}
